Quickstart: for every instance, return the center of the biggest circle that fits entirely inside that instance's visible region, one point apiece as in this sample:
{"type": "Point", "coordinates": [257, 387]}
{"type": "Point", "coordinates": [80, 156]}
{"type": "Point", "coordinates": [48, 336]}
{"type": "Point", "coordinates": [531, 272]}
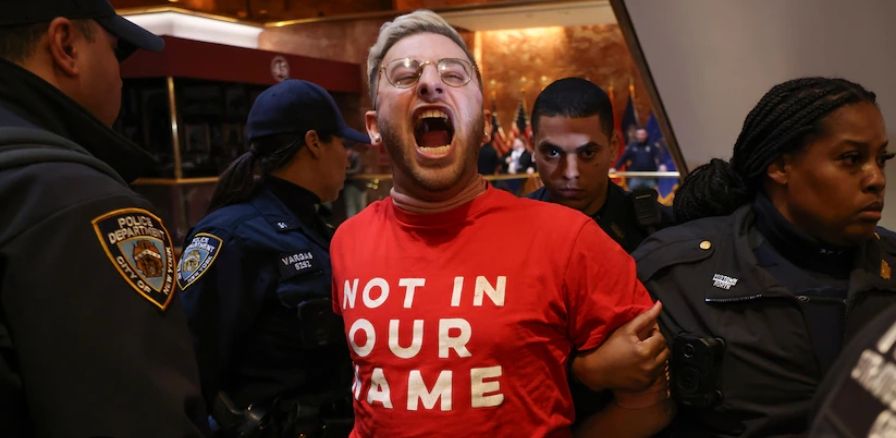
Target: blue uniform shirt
{"type": "Point", "coordinates": [256, 284]}
{"type": "Point", "coordinates": [640, 157]}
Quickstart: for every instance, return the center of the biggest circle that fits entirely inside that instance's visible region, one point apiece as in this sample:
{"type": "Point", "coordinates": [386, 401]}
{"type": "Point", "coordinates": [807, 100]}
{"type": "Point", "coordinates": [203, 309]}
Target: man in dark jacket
{"type": "Point", "coordinates": [93, 339]}
{"type": "Point", "coordinates": [488, 160]}
{"type": "Point", "coordinates": [575, 145]}
{"type": "Point", "coordinates": [572, 122]}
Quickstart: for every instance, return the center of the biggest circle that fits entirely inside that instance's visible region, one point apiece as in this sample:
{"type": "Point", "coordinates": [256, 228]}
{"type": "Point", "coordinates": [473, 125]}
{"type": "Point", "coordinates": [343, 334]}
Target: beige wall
{"type": "Point", "coordinates": [712, 60]}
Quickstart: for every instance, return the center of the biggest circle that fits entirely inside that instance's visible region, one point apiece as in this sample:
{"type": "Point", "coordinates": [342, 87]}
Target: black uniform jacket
{"type": "Point", "coordinates": [618, 218]}
{"type": "Point", "coordinates": [707, 277]}
{"type": "Point", "coordinates": [93, 338]}
{"type": "Point", "coordinates": [256, 284]}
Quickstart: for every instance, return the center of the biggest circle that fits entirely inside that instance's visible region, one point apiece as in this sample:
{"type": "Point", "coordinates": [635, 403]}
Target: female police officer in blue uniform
{"type": "Point", "coordinates": [255, 273]}
{"type": "Point", "coordinates": [780, 261]}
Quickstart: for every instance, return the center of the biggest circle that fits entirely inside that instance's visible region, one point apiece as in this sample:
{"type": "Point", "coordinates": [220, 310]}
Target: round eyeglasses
{"type": "Point", "coordinates": [405, 72]}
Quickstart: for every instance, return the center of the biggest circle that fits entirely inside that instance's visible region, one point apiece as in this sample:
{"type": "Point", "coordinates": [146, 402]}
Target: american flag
{"type": "Point", "coordinates": [499, 140]}
{"type": "Point", "coordinates": [521, 126]}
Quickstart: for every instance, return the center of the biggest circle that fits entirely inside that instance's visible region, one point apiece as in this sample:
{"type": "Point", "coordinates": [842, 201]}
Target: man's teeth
{"type": "Point", "coordinates": [436, 150]}
{"type": "Point", "coordinates": [432, 114]}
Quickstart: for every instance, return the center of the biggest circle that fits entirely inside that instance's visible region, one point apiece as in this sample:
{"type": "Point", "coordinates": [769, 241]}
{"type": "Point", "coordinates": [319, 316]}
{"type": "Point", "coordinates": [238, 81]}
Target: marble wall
{"type": "Point", "coordinates": [268, 10]}
{"type": "Point", "coordinates": [407, 5]}
{"type": "Point", "coordinates": [520, 63]}
{"type": "Point", "coordinates": [514, 63]}
{"type": "Point", "coordinates": [278, 10]}
{"type": "Point", "coordinates": [347, 41]}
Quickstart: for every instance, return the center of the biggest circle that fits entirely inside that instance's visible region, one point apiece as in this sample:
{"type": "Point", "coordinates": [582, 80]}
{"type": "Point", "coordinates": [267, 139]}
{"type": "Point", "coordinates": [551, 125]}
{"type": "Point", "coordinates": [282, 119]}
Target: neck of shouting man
{"type": "Point", "coordinates": [416, 202]}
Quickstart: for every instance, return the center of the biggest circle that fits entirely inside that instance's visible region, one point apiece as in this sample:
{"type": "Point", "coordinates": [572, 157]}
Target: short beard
{"type": "Point", "coordinates": [404, 160]}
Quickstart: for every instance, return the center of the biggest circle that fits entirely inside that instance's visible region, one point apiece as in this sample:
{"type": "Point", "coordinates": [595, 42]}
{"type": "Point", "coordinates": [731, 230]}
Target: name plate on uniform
{"type": "Point", "coordinates": [298, 263]}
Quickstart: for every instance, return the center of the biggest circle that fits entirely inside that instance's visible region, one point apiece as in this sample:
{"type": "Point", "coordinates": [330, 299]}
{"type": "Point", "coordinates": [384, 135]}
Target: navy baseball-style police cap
{"type": "Point", "coordinates": [297, 106]}
{"type": "Point", "coordinates": [131, 37]}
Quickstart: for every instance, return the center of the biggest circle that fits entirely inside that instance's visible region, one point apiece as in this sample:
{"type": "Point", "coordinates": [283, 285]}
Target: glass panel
{"type": "Point", "coordinates": [145, 120]}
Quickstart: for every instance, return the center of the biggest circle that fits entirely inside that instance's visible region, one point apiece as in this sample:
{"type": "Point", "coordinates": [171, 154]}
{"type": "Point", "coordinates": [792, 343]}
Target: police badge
{"type": "Point", "coordinates": [197, 257]}
{"type": "Point", "coordinates": [140, 248]}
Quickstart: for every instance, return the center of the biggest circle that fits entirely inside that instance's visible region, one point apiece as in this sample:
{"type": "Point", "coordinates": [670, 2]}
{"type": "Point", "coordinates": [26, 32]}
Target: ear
{"type": "Point", "coordinates": [373, 130]}
{"type": "Point", "coordinates": [779, 170]}
{"type": "Point", "coordinates": [312, 143]}
{"type": "Point", "coordinates": [63, 47]}
{"type": "Point", "coordinates": [615, 141]}
{"type": "Point", "coordinates": [488, 126]}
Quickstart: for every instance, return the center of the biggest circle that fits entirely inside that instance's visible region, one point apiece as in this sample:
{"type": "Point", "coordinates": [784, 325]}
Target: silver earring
{"type": "Point", "coordinates": [376, 138]}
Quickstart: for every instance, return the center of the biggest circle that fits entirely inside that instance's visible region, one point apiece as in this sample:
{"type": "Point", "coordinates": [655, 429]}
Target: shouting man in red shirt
{"type": "Point", "coordinates": [462, 303]}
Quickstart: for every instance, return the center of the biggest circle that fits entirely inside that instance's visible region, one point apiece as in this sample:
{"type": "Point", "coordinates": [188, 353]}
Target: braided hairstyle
{"type": "Point", "coordinates": [786, 119]}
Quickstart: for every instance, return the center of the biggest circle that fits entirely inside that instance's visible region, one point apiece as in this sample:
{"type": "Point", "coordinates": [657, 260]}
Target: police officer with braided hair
{"type": "Point", "coordinates": [255, 275]}
{"type": "Point", "coordinates": [777, 262]}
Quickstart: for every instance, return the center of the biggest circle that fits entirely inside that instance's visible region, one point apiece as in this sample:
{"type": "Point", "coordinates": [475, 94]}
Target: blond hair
{"type": "Point", "coordinates": [419, 21]}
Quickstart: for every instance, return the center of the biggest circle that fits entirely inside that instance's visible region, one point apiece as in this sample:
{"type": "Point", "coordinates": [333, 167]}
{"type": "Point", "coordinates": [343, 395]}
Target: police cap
{"type": "Point", "coordinates": [296, 106]}
{"type": "Point", "coordinates": [131, 37]}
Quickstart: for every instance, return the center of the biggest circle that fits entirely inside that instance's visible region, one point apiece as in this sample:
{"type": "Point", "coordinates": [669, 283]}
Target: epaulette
{"type": "Point", "coordinates": [887, 240]}
{"type": "Point", "coordinates": [681, 244]}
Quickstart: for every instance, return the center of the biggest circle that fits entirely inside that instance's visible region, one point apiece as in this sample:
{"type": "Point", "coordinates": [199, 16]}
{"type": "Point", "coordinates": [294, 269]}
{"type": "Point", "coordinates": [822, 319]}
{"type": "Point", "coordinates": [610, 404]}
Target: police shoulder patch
{"type": "Point", "coordinates": [140, 248]}
{"type": "Point", "coordinates": [198, 256]}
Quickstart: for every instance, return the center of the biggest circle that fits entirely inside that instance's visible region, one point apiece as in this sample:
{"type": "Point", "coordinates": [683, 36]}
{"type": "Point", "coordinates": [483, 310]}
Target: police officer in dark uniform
{"type": "Point", "coordinates": [641, 156]}
{"type": "Point", "coordinates": [255, 275]}
{"type": "Point", "coordinates": [93, 339]}
{"type": "Point", "coordinates": [778, 261]}
{"type": "Point", "coordinates": [575, 145]}
{"type": "Point", "coordinates": [856, 398]}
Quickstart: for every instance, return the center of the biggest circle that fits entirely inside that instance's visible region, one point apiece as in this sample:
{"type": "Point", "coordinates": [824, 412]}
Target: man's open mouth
{"type": "Point", "coordinates": [433, 132]}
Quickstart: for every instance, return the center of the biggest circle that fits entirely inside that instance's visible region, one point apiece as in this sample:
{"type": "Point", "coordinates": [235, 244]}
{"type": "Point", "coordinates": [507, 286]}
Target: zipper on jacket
{"type": "Point", "coordinates": [806, 299]}
{"type": "Point", "coordinates": [740, 299]}
{"type": "Point", "coordinates": [797, 298]}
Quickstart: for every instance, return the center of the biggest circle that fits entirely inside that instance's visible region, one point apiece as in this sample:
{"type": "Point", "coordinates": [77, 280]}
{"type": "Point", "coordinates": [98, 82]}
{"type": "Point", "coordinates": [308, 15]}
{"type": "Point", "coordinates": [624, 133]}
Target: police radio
{"type": "Point", "coordinates": [646, 211]}
{"type": "Point", "coordinates": [695, 369]}
{"type": "Point", "coordinates": [321, 327]}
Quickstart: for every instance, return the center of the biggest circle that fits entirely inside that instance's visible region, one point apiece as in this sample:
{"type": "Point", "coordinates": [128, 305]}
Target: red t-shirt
{"type": "Point", "coordinates": [460, 323]}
